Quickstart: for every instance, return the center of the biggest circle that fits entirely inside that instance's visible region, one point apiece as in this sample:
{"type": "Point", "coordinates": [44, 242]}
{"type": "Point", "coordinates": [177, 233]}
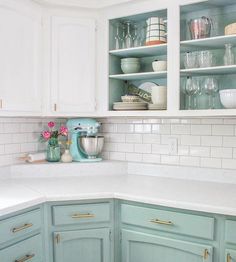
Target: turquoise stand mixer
{"type": "Point", "coordinates": [86, 144]}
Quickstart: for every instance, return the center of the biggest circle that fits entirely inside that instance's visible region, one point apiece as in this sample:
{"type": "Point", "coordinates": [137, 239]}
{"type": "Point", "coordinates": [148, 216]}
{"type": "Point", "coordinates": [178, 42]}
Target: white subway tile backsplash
{"type": "Point", "coordinates": [189, 161]}
{"type": "Point", "coordinates": [211, 162]}
{"type": "Point", "coordinates": [142, 148]}
{"type": "Point", "coordinates": [124, 147]}
{"type": "Point", "coordinates": [134, 138]}
{"type": "Point", "coordinates": [223, 130]}
{"type": "Point", "coordinates": [221, 152]}
{"type": "Point", "coordinates": [151, 138]}
{"type": "Point", "coordinates": [12, 148]}
{"type": "Point", "coordinates": [189, 140]}
{"type": "Point", "coordinates": [151, 158]}
{"type": "Point", "coordinates": [200, 151]}
{"type": "Point", "coordinates": [201, 129]}
{"type": "Point", "coordinates": [201, 142]}
{"type": "Point", "coordinates": [133, 157]}
{"type": "Point", "coordinates": [180, 129]}
{"type": "Point", "coordinates": [211, 140]}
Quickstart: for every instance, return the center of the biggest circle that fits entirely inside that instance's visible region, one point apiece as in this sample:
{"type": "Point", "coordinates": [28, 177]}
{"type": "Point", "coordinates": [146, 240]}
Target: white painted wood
{"type": "Point", "coordinates": [73, 65]}
{"type": "Point", "coordinates": [20, 63]}
{"type": "Point", "coordinates": [140, 76]}
{"type": "Point", "coordinates": [141, 51]}
{"type": "Point", "coordinates": [214, 70]}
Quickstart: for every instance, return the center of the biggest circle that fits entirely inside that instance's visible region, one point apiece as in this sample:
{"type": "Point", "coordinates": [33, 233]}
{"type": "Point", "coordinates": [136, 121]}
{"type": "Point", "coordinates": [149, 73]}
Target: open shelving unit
{"type": "Point", "coordinates": [118, 81]}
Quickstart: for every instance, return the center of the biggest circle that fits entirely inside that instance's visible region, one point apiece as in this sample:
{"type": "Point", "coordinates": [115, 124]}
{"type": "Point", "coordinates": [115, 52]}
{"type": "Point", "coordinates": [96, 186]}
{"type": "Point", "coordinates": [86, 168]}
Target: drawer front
{"type": "Point", "coordinates": [230, 231]}
{"type": "Point", "coordinates": [29, 250]}
{"type": "Point", "coordinates": [80, 214]}
{"type": "Point", "coordinates": [19, 226]}
{"type": "Point", "coordinates": [169, 221]}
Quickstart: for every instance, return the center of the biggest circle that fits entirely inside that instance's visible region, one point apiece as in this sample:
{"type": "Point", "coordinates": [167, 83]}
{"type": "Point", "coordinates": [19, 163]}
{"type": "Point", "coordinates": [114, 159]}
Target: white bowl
{"type": "Point", "coordinates": [159, 66]}
{"type": "Point", "coordinates": [228, 98]}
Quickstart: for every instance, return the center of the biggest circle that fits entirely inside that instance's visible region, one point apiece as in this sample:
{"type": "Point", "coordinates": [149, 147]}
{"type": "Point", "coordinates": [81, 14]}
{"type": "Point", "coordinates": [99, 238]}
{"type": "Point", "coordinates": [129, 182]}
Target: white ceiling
{"type": "Point", "coordinates": [84, 3]}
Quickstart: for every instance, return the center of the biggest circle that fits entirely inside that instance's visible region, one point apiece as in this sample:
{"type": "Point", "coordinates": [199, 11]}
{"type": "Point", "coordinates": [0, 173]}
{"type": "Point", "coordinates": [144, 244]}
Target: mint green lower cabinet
{"type": "Point", "coordinates": [140, 247]}
{"type": "Point", "coordinates": [91, 245]}
{"type": "Point", "coordinates": [230, 255]}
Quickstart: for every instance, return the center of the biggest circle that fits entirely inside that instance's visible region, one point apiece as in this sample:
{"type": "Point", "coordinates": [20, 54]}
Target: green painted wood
{"type": "Point", "coordinates": [62, 215]}
{"type": "Point", "coordinates": [230, 231]}
{"type": "Point", "coordinates": [230, 255]}
{"type": "Point", "coordinates": [92, 245]}
{"type": "Point", "coordinates": [139, 247]}
{"type": "Point", "coordinates": [29, 247]}
{"type": "Point", "coordinates": [8, 225]}
{"type": "Point", "coordinates": [186, 224]}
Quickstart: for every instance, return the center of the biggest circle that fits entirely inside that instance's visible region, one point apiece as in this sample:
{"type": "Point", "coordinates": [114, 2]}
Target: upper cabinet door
{"type": "Point", "coordinates": [73, 65]}
{"type": "Point", "coordinates": [20, 63]}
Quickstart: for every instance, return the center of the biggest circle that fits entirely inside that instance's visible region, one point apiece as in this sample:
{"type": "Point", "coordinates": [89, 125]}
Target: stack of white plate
{"type": "Point", "coordinates": [130, 106]}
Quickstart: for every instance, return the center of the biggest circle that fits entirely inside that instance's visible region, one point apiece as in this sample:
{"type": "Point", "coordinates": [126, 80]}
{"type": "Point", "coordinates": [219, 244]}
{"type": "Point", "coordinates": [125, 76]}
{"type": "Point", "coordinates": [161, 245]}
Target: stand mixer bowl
{"type": "Point", "coordinates": [91, 145]}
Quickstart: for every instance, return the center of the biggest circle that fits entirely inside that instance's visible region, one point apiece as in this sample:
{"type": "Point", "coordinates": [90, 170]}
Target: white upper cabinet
{"type": "Point", "coordinates": [20, 64]}
{"type": "Point", "coordinates": [72, 65]}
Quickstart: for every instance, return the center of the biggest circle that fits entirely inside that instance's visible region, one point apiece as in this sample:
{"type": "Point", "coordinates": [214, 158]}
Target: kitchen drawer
{"type": "Point", "coordinates": [80, 214]}
{"type": "Point", "coordinates": [29, 250]}
{"type": "Point", "coordinates": [230, 231]}
{"type": "Point", "coordinates": [169, 221]}
{"type": "Point", "coordinates": [19, 226]}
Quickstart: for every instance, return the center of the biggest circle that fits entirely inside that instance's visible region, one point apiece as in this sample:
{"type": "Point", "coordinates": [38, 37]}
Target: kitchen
{"type": "Point", "coordinates": [126, 111]}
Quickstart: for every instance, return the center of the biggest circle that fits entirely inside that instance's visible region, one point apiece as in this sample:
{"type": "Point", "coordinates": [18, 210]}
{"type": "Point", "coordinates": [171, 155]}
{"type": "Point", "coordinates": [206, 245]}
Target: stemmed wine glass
{"type": "Point", "coordinates": [192, 89]}
{"type": "Point", "coordinates": [128, 37]}
{"type": "Point", "coordinates": [118, 40]}
{"type": "Point", "coordinates": [211, 87]}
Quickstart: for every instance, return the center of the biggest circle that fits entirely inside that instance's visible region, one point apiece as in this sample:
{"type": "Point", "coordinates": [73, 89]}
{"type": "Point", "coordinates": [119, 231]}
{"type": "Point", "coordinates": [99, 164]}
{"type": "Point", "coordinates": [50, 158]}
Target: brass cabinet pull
{"type": "Point", "coordinates": [228, 258]}
{"type": "Point", "coordinates": [206, 254]}
{"type": "Point", "coordinates": [25, 258]}
{"type": "Point", "coordinates": [58, 238]}
{"type": "Point", "coordinates": [88, 215]}
{"type": "Point", "coordinates": [55, 107]}
{"type": "Point", "coordinates": [0, 103]}
{"type": "Point", "coordinates": [17, 229]}
{"type": "Point", "coordinates": [162, 222]}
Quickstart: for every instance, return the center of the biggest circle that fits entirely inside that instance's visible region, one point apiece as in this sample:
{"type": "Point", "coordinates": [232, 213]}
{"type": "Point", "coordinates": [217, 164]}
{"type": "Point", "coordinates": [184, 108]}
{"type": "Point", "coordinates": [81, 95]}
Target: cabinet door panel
{"type": "Point", "coordinates": [83, 246]}
{"type": "Point", "coordinates": [139, 247]}
{"type": "Point", "coordinates": [73, 64]}
{"type": "Point", "coordinates": [20, 63]}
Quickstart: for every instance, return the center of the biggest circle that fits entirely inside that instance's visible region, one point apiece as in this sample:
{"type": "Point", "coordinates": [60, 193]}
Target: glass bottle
{"type": "Point", "coordinates": [229, 58]}
{"type": "Point", "coordinates": [135, 36]}
{"type": "Point", "coordinates": [128, 37]}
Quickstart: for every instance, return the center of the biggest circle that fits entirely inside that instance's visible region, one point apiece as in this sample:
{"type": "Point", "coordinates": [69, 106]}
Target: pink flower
{"type": "Point", "coordinates": [46, 135]}
{"type": "Point", "coordinates": [63, 130]}
{"type": "Point", "coordinates": [51, 124]}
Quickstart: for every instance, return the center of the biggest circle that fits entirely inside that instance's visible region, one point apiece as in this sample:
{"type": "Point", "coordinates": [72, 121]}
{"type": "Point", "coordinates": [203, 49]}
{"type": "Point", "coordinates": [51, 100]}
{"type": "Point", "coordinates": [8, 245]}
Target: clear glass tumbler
{"type": "Point", "coordinates": [205, 58]}
{"type": "Point", "coordinates": [190, 60]}
{"type": "Point", "coordinates": [229, 58]}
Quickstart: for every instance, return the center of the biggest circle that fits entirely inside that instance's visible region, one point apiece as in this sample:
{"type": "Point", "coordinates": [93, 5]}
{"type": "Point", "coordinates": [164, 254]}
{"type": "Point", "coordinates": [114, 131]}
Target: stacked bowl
{"type": "Point", "coordinates": [130, 65]}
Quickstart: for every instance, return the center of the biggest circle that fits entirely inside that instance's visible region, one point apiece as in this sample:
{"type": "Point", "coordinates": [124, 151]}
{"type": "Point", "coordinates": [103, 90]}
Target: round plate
{"type": "Point", "coordinates": [147, 86]}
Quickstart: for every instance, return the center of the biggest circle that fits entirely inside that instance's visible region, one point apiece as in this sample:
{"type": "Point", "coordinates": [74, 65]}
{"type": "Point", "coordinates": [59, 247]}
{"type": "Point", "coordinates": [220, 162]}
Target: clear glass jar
{"type": "Point", "coordinates": [229, 58]}
{"type": "Point", "coordinates": [53, 150]}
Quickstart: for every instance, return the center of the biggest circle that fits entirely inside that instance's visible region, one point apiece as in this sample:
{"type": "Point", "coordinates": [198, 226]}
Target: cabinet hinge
{"type": "Point", "coordinates": [57, 238]}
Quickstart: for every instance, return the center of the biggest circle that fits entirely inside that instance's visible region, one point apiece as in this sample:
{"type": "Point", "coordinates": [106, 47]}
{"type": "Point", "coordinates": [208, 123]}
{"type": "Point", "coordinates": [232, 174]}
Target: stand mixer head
{"type": "Point", "coordinates": [86, 145]}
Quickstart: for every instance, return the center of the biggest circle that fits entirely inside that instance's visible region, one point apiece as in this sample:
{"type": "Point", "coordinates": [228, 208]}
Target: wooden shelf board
{"type": "Point", "coordinates": [207, 43]}
{"type": "Point", "coordinates": [140, 76]}
{"type": "Point", "coordinates": [141, 51]}
{"type": "Point", "coordinates": [216, 70]}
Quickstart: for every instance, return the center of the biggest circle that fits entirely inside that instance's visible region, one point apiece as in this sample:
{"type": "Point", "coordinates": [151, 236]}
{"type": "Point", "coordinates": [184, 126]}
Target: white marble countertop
{"type": "Point", "coordinates": [18, 192]}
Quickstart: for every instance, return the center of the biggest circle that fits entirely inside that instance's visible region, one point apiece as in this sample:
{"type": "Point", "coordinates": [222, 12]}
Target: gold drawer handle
{"type": "Point", "coordinates": [17, 229]}
{"type": "Point", "coordinates": [25, 258]}
{"type": "Point", "coordinates": [161, 222]}
{"type": "Point", "coordinates": [88, 215]}
{"type": "Point", "coordinates": [228, 258]}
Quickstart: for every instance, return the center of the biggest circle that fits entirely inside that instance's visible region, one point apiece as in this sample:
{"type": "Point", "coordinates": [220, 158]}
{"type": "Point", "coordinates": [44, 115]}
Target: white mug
{"type": "Point", "coordinates": [159, 66]}
{"type": "Point", "coordinates": [159, 95]}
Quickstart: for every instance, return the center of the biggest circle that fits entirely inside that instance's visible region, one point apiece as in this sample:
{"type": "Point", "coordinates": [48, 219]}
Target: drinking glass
{"type": "Point", "coordinates": [211, 87]}
{"type": "Point", "coordinates": [190, 60]}
{"type": "Point", "coordinates": [118, 39]}
{"type": "Point", "coordinates": [205, 58]}
{"type": "Point", "coordinates": [192, 89]}
{"type": "Point", "coordinates": [128, 36]}
{"type": "Point", "coordinates": [229, 58]}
